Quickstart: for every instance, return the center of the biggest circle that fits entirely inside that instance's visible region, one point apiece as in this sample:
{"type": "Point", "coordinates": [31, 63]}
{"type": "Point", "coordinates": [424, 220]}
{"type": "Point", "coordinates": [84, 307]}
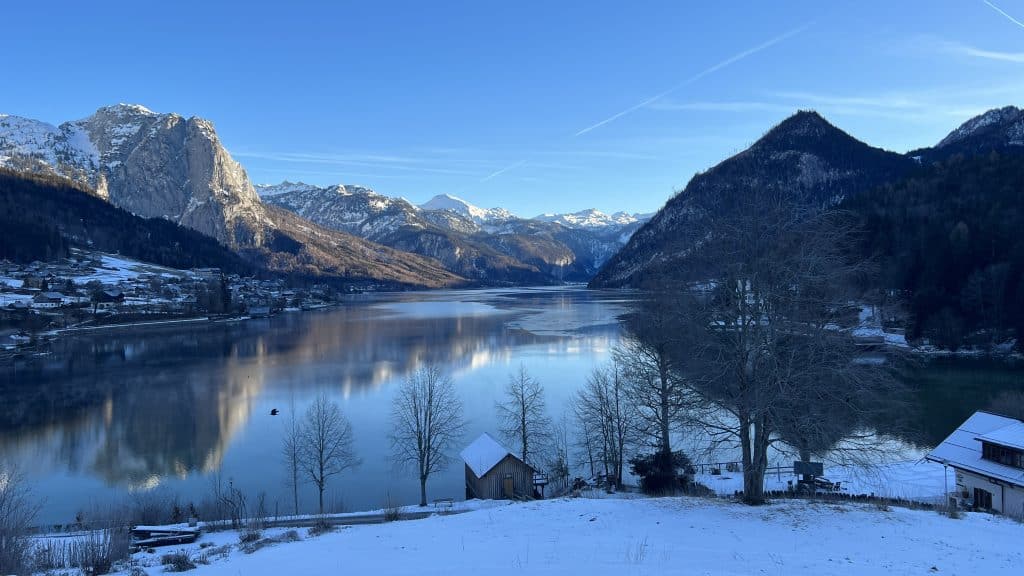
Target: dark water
{"type": "Point", "coordinates": [949, 389]}
{"type": "Point", "coordinates": [112, 413]}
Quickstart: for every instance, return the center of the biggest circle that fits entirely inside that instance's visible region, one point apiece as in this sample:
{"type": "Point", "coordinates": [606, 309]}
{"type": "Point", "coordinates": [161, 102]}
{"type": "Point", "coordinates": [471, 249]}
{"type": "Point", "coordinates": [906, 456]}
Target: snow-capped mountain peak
{"type": "Point", "coordinates": [592, 218]}
{"type": "Point", "coordinates": [461, 207]}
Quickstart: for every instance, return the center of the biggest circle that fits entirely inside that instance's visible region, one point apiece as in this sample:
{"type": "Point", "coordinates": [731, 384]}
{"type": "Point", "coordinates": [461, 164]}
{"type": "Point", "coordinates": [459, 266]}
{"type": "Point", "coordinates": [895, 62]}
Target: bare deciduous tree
{"type": "Point", "coordinates": [291, 450]}
{"type": "Point", "coordinates": [557, 462]}
{"type": "Point", "coordinates": [17, 512]}
{"type": "Point", "coordinates": [650, 365]}
{"type": "Point", "coordinates": [603, 411]}
{"type": "Point", "coordinates": [326, 444]}
{"type": "Point", "coordinates": [426, 419]}
{"type": "Point", "coordinates": [523, 416]}
{"type": "Point", "coordinates": [767, 357]}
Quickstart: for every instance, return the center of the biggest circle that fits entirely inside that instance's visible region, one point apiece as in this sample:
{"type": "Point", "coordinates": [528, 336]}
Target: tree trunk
{"type": "Point", "coordinates": [666, 408]}
{"type": "Point", "coordinates": [748, 464]}
{"type": "Point", "coordinates": [753, 477]}
{"type": "Point", "coordinates": [665, 441]}
{"type": "Point", "coordinates": [321, 500]}
{"type": "Point", "coordinates": [423, 490]}
{"type": "Point", "coordinates": [295, 492]}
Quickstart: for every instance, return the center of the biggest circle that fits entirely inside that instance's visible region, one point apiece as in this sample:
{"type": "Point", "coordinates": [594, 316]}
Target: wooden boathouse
{"type": "Point", "coordinates": [495, 473]}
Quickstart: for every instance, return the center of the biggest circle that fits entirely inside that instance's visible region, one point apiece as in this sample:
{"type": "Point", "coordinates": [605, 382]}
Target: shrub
{"type": "Point", "coordinates": [17, 513]}
{"type": "Point", "coordinates": [391, 509]}
{"type": "Point", "coordinates": [320, 527]}
{"type": "Point", "coordinates": [177, 562]}
{"type": "Point", "coordinates": [661, 472]}
{"type": "Point", "coordinates": [98, 553]}
{"type": "Point", "coordinates": [249, 536]}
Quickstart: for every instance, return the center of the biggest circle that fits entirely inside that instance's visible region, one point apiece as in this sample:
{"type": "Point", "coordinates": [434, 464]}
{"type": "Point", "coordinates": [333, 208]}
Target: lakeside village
{"type": "Point", "coordinates": [91, 290]}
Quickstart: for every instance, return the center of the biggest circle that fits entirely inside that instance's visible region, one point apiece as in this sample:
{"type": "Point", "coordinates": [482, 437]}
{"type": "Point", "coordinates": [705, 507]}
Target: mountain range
{"type": "Point", "coordinates": [484, 245]}
{"type": "Point", "coordinates": [174, 168]}
{"type": "Point", "coordinates": [805, 156]}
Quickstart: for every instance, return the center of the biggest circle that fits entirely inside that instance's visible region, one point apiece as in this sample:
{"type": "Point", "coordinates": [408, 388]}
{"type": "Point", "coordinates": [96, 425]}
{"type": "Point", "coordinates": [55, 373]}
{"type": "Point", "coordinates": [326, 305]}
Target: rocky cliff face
{"type": "Point", "coordinates": [153, 165]}
{"type": "Point", "coordinates": [175, 168]}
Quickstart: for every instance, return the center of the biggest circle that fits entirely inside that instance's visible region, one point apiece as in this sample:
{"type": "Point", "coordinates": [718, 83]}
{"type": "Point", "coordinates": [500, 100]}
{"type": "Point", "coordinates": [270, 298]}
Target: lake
{"type": "Point", "coordinates": [110, 413]}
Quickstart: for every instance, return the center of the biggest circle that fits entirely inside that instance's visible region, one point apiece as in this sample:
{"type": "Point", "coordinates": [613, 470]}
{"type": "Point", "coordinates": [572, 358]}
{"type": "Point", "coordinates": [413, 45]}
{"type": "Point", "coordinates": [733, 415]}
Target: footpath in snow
{"type": "Point", "coordinates": [614, 537]}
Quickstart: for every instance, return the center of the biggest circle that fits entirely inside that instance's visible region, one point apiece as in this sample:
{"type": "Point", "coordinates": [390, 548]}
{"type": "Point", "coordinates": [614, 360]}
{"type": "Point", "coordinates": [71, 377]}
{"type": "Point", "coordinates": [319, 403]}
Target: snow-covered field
{"type": "Point", "coordinates": [917, 480]}
{"type": "Point", "coordinates": [643, 536]}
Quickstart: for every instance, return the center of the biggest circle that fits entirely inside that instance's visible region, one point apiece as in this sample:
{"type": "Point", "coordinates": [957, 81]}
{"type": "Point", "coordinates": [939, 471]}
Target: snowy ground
{"type": "Point", "coordinates": [115, 269]}
{"type": "Point", "coordinates": [917, 480]}
{"type": "Point", "coordinates": [646, 536]}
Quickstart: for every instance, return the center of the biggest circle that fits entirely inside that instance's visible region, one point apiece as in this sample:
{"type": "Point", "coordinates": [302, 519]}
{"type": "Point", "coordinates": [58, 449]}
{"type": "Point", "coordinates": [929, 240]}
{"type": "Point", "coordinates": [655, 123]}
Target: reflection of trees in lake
{"type": "Point", "coordinates": [136, 406]}
{"type": "Point", "coordinates": [172, 427]}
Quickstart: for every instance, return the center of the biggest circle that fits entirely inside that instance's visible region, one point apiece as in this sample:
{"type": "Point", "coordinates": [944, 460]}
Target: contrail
{"type": "Point", "coordinates": [503, 170]}
{"type": "Point", "coordinates": [698, 76]}
{"type": "Point", "coordinates": [1000, 10]}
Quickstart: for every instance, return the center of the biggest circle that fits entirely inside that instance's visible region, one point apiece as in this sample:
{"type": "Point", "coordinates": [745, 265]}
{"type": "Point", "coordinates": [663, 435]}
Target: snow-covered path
{"type": "Point", "coordinates": [650, 536]}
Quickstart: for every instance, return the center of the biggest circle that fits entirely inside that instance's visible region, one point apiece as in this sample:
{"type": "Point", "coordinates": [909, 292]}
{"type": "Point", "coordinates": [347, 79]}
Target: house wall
{"type": "Point", "coordinates": [1014, 503]}
{"type": "Point", "coordinates": [490, 485]}
{"type": "Point", "coordinates": [1005, 498]}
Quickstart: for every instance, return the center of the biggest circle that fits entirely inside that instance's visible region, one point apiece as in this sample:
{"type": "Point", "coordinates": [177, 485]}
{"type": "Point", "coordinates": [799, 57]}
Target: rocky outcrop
{"type": "Point", "coordinates": [175, 168]}
{"type": "Point", "coordinates": [153, 165]}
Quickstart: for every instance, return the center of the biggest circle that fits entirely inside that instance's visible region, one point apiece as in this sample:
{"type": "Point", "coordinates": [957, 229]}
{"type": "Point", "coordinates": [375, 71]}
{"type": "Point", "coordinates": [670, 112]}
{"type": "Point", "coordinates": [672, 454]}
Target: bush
{"type": "Point", "coordinates": [320, 527]}
{"type": "Point", "coordinates": [249, 536]}
{"type": "Point", "coordinates": [662, 472]}
{"type": "Point", "coordinates": [177, 562]}
{"type": "Point", "coordinates": [392, 511]}
{"type": "Point", "coordinates": [17, 513]}
{"type": "Point", "coordinates": [98, 553]}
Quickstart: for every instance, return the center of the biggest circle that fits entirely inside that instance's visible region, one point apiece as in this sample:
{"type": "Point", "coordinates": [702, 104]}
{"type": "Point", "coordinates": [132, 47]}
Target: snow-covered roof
{"type": "Point", "coordinates": [483, 454]}
{"type": "Point", "coordinates": [962, 449]}
{"type": "Point", "coordinates": [1012, 436]}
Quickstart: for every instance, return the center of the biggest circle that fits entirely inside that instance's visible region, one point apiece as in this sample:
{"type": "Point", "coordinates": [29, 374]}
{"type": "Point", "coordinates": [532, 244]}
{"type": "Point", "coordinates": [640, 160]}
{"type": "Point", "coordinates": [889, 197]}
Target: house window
{"type": "Point", "coordinates": [982, 499]}
{"type": "Point", "coordinates": [1002, 454]}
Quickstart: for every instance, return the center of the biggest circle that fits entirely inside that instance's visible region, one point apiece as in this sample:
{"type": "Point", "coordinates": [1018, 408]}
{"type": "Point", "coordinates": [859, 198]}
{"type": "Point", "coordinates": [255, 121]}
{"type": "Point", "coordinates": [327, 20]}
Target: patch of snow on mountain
{"type": "Point", "coordinates": [1015, 134]}
{"type": "Point", "coordinates": [27, 138]}
{"type": "Point", "coordinates": [989, 118]}
{"type": "Point", "coordinates": [268, 190]}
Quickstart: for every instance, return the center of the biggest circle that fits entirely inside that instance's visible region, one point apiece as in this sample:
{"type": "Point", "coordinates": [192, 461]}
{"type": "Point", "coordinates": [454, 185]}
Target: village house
{"type": "Point", "coordinates": [47, 300]}
{"type": "Point", "coordinates": [108, 299]}
{"type": "Point", "coordinates": [494, 473]}
{"type": "Point", "coordinates": [987, 453]}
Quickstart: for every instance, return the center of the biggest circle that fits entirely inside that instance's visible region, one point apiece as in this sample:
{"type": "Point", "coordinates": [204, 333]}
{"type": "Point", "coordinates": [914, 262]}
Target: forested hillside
{"type": "Point", "coordinates": [950, 239]}
{"type": "Point", "coordinates": [42, 216]}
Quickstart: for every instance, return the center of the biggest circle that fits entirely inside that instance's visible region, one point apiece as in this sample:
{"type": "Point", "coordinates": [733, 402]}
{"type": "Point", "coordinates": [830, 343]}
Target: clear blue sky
{"type": "Point", "coordinates": [487, 100]}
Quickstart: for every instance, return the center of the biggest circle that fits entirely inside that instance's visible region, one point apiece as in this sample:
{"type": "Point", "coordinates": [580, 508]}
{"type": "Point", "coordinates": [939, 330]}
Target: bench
{"type": "Point", "coordinates": [444, 505]}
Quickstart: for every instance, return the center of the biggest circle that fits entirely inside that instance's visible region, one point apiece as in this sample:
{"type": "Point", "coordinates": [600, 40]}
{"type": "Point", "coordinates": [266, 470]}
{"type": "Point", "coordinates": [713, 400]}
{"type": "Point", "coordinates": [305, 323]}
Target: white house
{"type": "Point", "coordinates": [48, 300]}
{"type": "Point", "coordinates": [987, 453]}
